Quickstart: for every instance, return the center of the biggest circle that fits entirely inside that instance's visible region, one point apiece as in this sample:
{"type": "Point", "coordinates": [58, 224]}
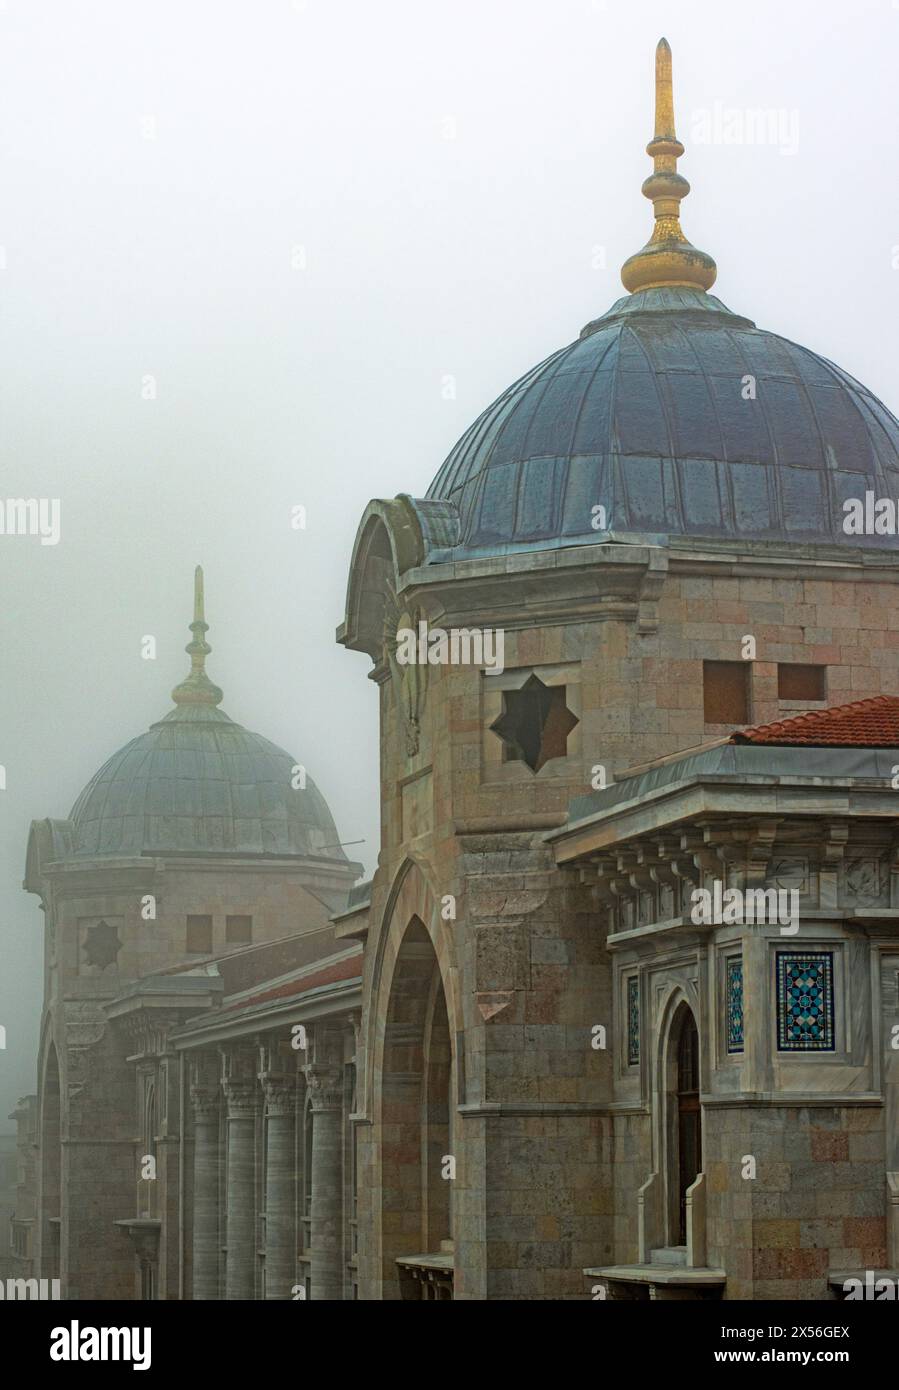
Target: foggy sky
{"type": "Point", "coordinates": [449, 171]}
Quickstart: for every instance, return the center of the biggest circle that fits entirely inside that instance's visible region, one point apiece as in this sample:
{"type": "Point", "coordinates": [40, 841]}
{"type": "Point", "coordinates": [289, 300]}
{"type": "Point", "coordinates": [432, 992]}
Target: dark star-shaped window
{"type": "Point", "coordinates": [535, 723]}
{"type": "Point", "coordinates": [101, 945]}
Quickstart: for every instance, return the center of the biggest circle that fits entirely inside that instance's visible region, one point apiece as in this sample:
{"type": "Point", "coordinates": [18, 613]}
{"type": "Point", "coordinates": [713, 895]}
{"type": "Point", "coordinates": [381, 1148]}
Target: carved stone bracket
{"type": "Point", "coordinates": [759, 851]}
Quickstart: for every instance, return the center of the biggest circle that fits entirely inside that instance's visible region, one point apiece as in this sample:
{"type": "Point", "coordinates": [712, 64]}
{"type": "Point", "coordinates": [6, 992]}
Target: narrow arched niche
{"type": "Point", "coordinates": [683, 1117]}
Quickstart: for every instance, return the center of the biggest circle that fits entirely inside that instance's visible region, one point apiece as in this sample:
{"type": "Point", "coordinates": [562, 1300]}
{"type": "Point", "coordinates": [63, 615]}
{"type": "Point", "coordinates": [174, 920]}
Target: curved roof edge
{"type": "Point", "coordinates": [394, 536]}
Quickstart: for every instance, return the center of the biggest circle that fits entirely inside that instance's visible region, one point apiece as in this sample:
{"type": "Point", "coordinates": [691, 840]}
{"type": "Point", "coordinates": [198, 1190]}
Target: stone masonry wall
{"type": "Point", "coordinates": [816, 1204]}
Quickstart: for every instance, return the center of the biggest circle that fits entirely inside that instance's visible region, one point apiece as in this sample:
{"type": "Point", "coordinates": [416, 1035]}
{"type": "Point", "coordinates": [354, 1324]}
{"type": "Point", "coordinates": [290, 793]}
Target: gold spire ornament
{"type": "Point", "coordinates": [667, 258]}
{"type": "Point", "coordinates": [197, 689]}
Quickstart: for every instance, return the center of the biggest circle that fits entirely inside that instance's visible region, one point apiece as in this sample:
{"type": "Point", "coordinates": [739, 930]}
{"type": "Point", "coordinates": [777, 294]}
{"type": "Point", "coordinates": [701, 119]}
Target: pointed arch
{"type": "Point", "coordinates": [413, 1021]}
{"type": "Point", "coordinates": [677, 1109]}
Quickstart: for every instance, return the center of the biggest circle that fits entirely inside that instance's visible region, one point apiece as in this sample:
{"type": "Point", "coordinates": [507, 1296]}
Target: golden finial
{"type": "Point", "coordinates": [667, 258]}
{"type": "Point", "coordinates": [197, 689]}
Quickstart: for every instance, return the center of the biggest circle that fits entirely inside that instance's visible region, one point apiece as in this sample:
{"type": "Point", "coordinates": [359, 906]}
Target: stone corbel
{"type": "Point", "coordinates": [650, 589]}
{"type": "Point", "coordinates": [661, 869]}
{"type": "Point", "coordinates": [642, 879]}
{"type": "Point", "coordinates": [710, 861]}
{"type": "Point", "coordinates": [759, 851]}
{"type": "Point", "coordinates": [664, 875]}
{"type": "Point", "coordinates": [836, 838]}
{"type": "Point", "coordinates": [833, 848]}
{"type": "Point", "coordinates": [683, 868]}
{"type": "Point", "coordinates": [605, 872]}
{"type": "Point", "coordinates": [708, 853]}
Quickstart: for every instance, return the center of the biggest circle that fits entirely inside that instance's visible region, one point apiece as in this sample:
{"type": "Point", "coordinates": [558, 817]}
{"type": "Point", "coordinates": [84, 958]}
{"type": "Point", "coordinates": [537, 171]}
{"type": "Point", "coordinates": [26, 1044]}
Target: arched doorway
{"type": "Point", "coordinates": [683, 1126]}
{"type": "Point", "coordinates": [417, 1106]}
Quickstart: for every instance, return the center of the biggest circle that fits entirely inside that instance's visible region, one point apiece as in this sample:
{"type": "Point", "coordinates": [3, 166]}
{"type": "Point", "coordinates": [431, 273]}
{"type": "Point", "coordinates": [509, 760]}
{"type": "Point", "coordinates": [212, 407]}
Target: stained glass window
{"type": "Point", "coordinates": [633, 1021]}
{"type": "Point", "coordinates": [805, 1013]}
{"type": "Point", "coordinates": [734, 1004]}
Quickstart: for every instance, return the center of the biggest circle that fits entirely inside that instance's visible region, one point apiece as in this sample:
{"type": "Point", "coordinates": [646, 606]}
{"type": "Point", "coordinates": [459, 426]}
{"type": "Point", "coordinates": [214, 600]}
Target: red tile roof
{"type": "Point", "coordinates": [864, 724]}
{"type": "Point", "coordinates": [349, 969]}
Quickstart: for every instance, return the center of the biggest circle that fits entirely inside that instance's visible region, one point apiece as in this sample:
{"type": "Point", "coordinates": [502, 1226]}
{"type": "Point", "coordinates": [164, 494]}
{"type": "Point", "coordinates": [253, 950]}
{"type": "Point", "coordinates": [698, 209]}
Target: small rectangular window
{"type": "Point", "coordinates": [795, 682]}
{"type": "Point", "coordinates": [199, 936]}
{"type": "Point", "coordinates": [238, 931]}
{"type": "Point", "coordinates": [725, 688]}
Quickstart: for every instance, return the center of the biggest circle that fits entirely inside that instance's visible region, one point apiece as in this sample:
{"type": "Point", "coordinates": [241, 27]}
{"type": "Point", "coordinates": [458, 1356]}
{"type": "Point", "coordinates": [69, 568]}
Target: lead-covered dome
{"type": "Point", "coordinates": [671, 415]}
{"type": "Point", "coordinates": [677, 417]}
{"type": "Point", "coordinates": [197, 782]}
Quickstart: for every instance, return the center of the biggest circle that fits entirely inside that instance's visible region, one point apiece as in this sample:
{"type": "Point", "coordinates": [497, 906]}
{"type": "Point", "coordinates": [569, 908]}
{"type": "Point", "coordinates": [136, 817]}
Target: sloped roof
{"type": "Point", "coordinates": [870, 723]}
{"type": "Point", "coordinates": [328, 972]}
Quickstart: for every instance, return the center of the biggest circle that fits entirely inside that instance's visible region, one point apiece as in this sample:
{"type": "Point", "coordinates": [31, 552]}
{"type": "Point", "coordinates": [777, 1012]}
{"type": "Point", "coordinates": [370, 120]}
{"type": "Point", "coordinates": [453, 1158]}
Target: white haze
{"type": "Point", "coordinates": [449, 170]}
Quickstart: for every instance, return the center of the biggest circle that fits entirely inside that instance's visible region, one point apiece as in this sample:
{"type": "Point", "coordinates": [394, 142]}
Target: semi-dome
{"type": "Point", "coordinates": [197, 782]}
{"type": "Point", "coordinates": [672, 414]}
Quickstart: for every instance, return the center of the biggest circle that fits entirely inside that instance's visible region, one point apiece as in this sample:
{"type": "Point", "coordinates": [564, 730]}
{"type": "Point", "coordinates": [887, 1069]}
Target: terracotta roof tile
{"type": "Point", "coordinates": [864, 724]}
{"type": "Point", "coordinates": [349, 969]}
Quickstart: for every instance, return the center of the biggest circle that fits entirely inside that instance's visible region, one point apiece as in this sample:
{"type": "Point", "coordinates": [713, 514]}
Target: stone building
{"type": "Point", "coordinates": [615, 1015]}
{"type": "Point", "coordinates": [199, 855]}
{"type": "Point", "coordinates": [22, 1200]}
{"type": "Point", "coordinates": [652, 519]}
{"type": "Point", "coordinates": [8, 1185]}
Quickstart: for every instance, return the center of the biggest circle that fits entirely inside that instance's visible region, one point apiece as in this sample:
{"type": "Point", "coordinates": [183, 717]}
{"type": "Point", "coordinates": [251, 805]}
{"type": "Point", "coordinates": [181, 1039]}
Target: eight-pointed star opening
{"type": "Point", "coordinates": [535, 723]}
{"type": "Point", "coordinates": [101, 945]}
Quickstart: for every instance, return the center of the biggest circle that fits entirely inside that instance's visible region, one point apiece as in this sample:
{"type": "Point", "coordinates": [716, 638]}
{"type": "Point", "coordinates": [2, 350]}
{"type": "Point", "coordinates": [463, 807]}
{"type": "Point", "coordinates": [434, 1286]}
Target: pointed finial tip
{"type": "Point", "coordinates": [197, 689]}
{"type": "Point", "coordinates": [199, 600]}
{"type": "Point", "coordinates": [667, 258]}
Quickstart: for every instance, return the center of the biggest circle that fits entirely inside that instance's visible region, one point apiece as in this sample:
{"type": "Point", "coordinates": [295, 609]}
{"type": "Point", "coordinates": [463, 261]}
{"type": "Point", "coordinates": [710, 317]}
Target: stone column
{"type": "Point", "coordinates": [280, 1196]}
{"type": "Point", "coordinates": [326, 1096]}
{"type": "Point", "coordinates": [205, 1099]}
{"type": "Point", "coordinates": [240, 1261]}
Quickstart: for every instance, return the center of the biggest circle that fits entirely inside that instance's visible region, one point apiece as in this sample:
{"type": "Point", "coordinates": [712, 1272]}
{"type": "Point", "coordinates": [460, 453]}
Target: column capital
{"type": "Point", "coordinates": [325, 1082]}
{"type": "Point", "coordinates": [280, 1092]}
{"type": "Point", "coordinates": [205, 1100]}
{"type": "Point", "coordinates": [242, 1098]}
